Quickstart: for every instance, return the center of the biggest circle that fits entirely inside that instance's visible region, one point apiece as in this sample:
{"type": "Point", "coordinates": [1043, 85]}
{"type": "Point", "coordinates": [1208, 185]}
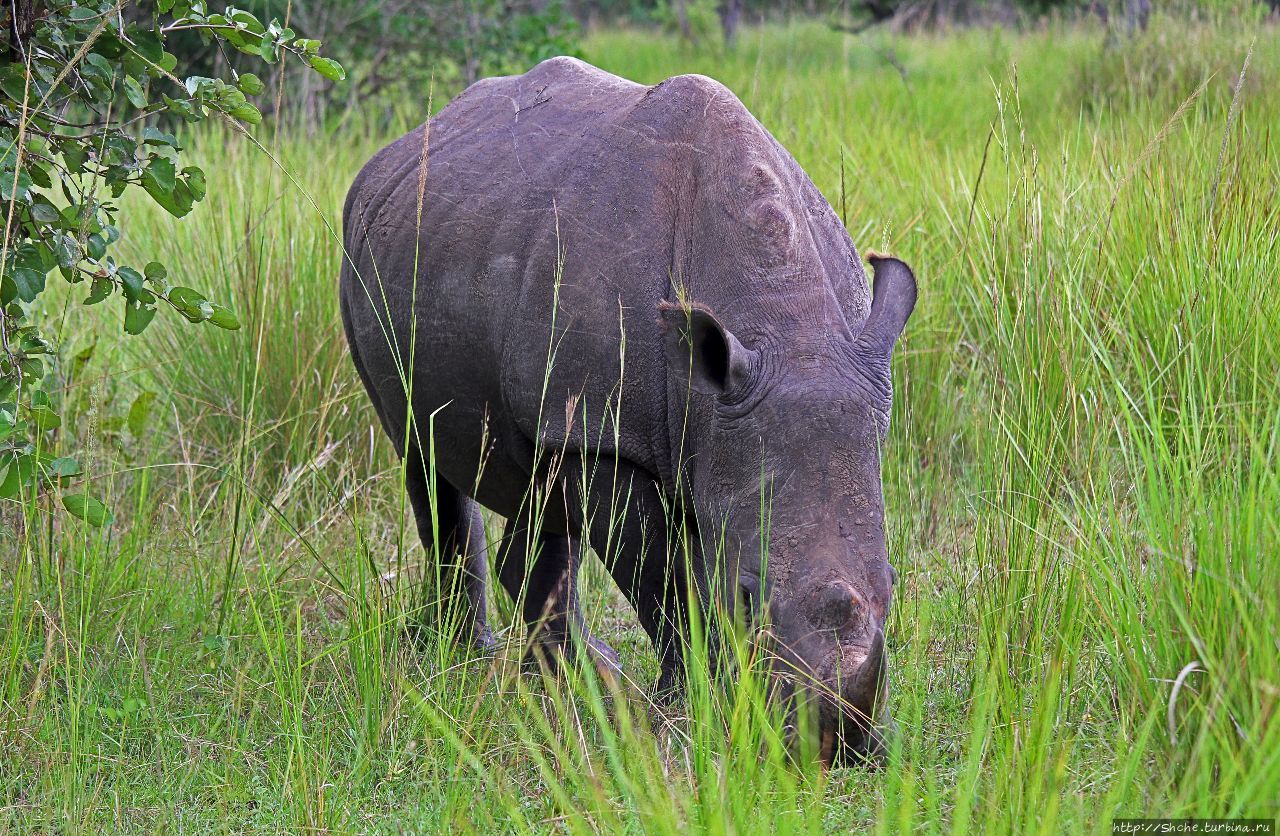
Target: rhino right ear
{"type": "Point", "coordinates": [700, 348]}
{"type": "Point", "coordinates": [892, 300]}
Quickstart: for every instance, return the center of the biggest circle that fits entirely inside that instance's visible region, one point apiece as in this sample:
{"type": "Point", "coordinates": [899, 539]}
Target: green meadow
{"type": "Point", "coordinates": [1082, 485]}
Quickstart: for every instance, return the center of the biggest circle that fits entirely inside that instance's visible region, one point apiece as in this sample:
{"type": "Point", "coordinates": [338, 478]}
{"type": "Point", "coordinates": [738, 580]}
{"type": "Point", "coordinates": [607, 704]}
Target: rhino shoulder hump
{"type": "Point", "coordinates": [695, 97]}
{"type": "Point", "coordinates": [693, 85]}
{"type": "Point", "coordinates": [563, 71]}
{"type": "Point", "coordinates": [562, 65]}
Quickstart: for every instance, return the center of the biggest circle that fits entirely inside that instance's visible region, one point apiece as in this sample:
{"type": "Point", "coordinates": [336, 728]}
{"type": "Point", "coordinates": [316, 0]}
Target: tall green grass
{"type": "Point", "coordinates": [1081, 484]}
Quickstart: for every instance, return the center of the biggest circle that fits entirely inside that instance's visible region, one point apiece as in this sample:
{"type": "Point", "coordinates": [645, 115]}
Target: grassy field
{"type": "Point", "coordinates": [1081, 482]}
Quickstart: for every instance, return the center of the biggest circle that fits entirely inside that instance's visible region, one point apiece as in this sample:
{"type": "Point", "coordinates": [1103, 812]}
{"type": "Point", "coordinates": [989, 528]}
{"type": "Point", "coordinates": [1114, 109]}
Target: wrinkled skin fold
{"type": "Point", "coordinates": [609, 313]}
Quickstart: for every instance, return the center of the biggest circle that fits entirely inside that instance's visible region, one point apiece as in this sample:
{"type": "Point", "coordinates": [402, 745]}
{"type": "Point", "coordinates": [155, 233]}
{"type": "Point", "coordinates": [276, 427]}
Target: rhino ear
{"type": "Point", "coordinates": [702, 349]}
{"type": "Point", "coordinates": [893, 297]}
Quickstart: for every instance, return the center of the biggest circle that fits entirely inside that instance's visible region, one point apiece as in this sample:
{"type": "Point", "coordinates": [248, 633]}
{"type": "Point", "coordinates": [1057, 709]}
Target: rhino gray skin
{"type": "Point", "coordinates": [710, 336]}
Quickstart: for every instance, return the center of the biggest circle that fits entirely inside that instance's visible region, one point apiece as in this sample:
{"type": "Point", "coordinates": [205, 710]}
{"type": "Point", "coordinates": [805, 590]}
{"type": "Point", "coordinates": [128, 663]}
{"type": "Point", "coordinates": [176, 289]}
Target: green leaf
{"type": "Point", "coordinates": [45, 418]}
{"type": "Point", "coordinates": [249, 44]}
{"type": "Point", "coordinates": [224, 318]}
{"type": "Point", "coordinates": [137, 316]}
{"type": "Point", "coordinates": [44, 212]}
{"type": "Point", "coordinates": [66, 250]}
{"type": "Point", "coordinates": [250, 84]}
{"type": "Point", "coordinates": [216, 643]}
{"type": "Point", "coordinates": [99, 291]}
{"type": "Point", "coordinates": [14, 84]}
{"type": "Point", "coordinates": [200, 84]}
{"type": "Point", "coordinates": [32, 368]}
{"type": "Point", "coordinates": [9, 189]}
{"type": "Point", "coordinates": [87, 508]}
{"type": "Point", "coordinates": [247, 113]}
{"type": "Point", "coordinates": [247, 19]}
{"type": "Point", "coordinates": [81, 360]}
{"type": "Point", "coordinates": [10, 478]}
{"type": "Point", "coordinates": [131, 281]}
{"type": "Point", "coordinates": [147, 44]}
{"type": "Point", "coordinates": [181, 195]}
{"type": "Point", "coordinates": [168, 200]}
{"type": "Point", "coordinates": [195, 181]}
{"type": "Point", "coordinates": [134, 93]}
{"type": "Point", "coordinates": [33, 342]}
{"type": "Point", "coordinates": [75, 156]}
{"type": "Point", "coordinates": [191, 304]}
{"type": "Point", "coordinates": [39, 175]}
{"type": "Point", "coordinates": [162, 173]}
{"type": "Point", "coordinates": [63, 467]}
{"type": "Point", "coordinates": [95, 63]}
{"type": "Point", "coordinates": [96, 246]}
{"type": "Point", "coordinates": [151, 136]}
{"type": "Point", "coordinates": [155, 270]}
{"type": "Point", "coordinates": [327, 67]}
{"type": "Point", "coordinates": [140, 413]}
{"type": "Point", "coordinates": [29, 283]}
{"type": "Point", "coordinates": [36, 256]}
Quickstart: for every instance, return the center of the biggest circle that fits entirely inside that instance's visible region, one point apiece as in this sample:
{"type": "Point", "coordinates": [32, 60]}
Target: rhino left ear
{"type": "Point", "coordinates": [697, 345]}
{"type": "Point", "coordinates": [893, 298]}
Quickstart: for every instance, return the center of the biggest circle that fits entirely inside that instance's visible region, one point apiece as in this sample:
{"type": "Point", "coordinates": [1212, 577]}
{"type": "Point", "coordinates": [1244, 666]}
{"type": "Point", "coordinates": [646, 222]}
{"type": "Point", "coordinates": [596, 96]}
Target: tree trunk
{"type": "Point", "coordinates": [730, 12]}
{"type": "Point", "coordinates": [682, 18]}
{"type": "Point", "coordinates": [1136, 14]}
{"type": "Point", "coordinates": [20, 18]}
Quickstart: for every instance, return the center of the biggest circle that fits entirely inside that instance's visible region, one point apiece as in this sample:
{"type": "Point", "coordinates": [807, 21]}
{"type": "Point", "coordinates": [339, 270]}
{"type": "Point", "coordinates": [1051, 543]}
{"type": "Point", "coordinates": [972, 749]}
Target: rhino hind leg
{"type": "Point", "coordinates": [540, 572]}
{"type": "Point", "coordinates": [451, 528]}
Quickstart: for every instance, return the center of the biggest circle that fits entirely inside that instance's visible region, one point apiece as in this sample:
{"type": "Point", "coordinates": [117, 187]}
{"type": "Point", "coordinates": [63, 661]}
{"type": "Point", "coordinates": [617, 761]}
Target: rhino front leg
{"type": "Point", "coordinates": [451, 527]}
{"type": "Point", "coordinates": [540, 573]}
{"type": "Point", "coordinates": [628, 525]}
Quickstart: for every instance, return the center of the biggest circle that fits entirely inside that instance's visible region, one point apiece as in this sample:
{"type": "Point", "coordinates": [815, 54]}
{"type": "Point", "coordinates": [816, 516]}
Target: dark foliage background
{"type": "Point", "coordinates": [397, 52]}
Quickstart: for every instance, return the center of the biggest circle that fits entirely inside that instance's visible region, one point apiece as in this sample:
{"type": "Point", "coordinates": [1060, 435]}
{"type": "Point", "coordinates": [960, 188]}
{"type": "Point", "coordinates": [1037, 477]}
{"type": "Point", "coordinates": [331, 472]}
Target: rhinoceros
{"type": "Point", "coordinates": [625, 314]}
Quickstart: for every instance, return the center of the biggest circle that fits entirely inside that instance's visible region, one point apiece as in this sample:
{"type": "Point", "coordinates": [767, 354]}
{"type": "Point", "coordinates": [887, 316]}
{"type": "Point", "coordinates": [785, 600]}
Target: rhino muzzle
{"type": "Point", "coordinates": [853, 714]}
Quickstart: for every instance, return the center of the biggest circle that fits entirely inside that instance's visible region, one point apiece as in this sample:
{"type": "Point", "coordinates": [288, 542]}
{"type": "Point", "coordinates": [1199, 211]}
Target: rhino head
{"type": "Point", "coordinates": [782, 460]}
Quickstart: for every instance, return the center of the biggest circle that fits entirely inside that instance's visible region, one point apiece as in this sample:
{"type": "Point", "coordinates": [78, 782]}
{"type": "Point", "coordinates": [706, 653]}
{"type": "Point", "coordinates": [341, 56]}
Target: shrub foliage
{"type": "Point", "coordinates": [82, 90]}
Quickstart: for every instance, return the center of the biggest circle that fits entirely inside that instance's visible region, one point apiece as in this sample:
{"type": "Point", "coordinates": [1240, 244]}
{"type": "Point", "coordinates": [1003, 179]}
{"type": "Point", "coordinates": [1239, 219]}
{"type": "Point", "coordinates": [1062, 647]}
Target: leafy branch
{"type": "Point", "coordinates": [82, 93]}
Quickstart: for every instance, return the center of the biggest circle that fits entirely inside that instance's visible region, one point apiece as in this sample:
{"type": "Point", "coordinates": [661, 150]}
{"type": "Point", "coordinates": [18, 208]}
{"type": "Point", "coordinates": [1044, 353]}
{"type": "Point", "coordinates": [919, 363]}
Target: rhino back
{"type": "Point", "coordinates": [558, 209]}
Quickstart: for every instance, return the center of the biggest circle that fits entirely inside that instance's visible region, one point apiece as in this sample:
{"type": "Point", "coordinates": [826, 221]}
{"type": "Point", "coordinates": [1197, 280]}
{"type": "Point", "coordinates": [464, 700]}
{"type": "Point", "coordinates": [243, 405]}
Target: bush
{"type": "Point", "coordinates": [79, 94]}
{"type": "Point", "coordinates": [398, 50]}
